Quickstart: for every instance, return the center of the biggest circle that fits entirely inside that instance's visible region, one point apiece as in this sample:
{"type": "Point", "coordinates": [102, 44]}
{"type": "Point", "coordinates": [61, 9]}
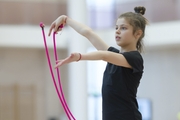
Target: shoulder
{"type": "Point", "coordinates": [113, 49]}
{"type": "Point", "coordinates": [135, 59]}
{"type": "Point", "coordinates": [133, 55]}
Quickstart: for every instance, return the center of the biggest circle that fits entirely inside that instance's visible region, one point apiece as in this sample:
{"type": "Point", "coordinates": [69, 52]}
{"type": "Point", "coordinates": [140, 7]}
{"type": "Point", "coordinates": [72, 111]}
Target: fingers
{"type": "Point", "coordinates": [57, 61]}
{"type": "Point", "coordinates": [57, 25]}
{"type": "Point", "coordinates": [51, 28]}
{"type": "Point", "coordinates": [67, 60]}
{"type": "Point", "coordinates": [58, 64]}
{"type": "Point", "coordinates": [60, 29]}
{"type": "Point", "coordinates": [57, 28]}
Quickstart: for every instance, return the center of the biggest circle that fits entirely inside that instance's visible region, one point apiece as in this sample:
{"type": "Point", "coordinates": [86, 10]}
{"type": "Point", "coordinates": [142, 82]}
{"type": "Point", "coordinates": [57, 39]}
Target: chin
{"type": "Point", "coordinates": [119, 44]}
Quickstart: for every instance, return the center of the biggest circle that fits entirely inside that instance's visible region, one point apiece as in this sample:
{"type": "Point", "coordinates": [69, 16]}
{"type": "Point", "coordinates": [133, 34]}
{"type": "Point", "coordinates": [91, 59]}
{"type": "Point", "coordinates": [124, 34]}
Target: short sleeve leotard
{"type": "Point", "coordinates": [120, 87]}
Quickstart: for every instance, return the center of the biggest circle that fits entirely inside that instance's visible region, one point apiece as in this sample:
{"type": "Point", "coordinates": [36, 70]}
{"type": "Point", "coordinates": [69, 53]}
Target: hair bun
{"type": "Point", "coordinates": [140, 9]}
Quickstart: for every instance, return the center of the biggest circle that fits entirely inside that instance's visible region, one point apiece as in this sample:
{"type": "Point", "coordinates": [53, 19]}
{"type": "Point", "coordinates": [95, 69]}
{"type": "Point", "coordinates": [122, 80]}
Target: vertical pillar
{"type": "Point", "coordinates": [77, 70]}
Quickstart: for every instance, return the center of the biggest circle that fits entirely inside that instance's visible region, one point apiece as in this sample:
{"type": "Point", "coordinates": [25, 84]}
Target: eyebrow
{"type": "Point", "coordinates": [122, 25]}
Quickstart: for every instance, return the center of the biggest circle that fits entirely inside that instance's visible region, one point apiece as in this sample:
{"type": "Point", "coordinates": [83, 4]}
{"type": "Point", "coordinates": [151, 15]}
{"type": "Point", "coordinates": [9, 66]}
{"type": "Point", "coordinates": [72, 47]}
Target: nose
{"type": "Point", "coordinates": [118, 31]}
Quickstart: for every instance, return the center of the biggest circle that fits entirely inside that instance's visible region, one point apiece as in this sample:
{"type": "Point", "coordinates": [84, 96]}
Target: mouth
{"type": "Point", "coordinates": [118, 38]}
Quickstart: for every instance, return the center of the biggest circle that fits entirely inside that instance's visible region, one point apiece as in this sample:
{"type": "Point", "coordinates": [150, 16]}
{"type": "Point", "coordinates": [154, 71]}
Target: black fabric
{"type": "Point", "coordinates": [120, 87]}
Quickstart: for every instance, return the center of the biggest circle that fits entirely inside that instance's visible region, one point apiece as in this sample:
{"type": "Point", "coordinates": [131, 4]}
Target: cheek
{"type": "Point", "coordinates": [128, 34]}
{"type": "Point", "coordinates": [129, 37]}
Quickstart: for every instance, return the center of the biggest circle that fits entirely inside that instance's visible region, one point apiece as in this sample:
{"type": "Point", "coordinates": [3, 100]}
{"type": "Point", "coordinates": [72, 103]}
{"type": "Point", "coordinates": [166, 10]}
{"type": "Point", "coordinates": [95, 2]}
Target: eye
{"type": "Point", "coordinates": [123, 28]}
{"type": "Point", "coordinates": [116, 28]}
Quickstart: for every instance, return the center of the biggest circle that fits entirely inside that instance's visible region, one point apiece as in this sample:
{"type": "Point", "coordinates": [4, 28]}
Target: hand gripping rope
{"type": "Point", "coordinates": [59, 92]}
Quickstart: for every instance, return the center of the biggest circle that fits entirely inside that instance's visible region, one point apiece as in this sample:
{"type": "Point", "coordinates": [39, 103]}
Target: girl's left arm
{"type": "Point", "coordinates": [111, 57]}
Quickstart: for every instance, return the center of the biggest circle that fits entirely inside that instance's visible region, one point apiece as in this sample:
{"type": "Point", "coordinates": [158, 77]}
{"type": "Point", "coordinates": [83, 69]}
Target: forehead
{"type": "Point", "coordinates": [122, 21]}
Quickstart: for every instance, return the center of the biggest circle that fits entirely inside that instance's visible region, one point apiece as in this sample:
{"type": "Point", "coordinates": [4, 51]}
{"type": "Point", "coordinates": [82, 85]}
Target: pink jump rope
{"type": "Point", "coordinates": [59, 92]}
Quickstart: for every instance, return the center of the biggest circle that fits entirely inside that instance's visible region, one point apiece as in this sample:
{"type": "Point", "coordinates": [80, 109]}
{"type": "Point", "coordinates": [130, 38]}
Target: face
{"type": "Point", "coordinates": [124, 33]}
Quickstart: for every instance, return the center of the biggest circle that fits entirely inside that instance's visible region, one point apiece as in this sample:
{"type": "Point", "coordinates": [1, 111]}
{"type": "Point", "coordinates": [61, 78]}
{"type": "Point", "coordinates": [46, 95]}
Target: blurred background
{"type": "Point", "coordinates": [26, 88]}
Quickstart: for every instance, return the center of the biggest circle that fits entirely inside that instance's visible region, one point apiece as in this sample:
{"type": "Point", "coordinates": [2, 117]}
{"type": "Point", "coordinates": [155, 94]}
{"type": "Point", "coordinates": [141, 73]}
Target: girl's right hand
{"type": "Point", "coordinates": [55, 26]}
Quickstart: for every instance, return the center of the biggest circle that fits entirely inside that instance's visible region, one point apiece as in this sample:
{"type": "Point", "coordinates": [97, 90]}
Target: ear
{"type": "Point", "coordinates": [138, 34]}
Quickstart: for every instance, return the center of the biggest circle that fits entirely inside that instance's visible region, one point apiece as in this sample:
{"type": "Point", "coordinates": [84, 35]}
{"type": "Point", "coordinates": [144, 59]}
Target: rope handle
{"type": "Point", "coordinates": [59, 93]}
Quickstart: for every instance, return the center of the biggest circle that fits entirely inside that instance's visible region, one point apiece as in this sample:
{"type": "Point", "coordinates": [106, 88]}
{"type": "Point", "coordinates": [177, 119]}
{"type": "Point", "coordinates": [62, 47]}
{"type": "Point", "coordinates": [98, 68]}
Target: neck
{"type": "Point", "coordinates": [128, 49]}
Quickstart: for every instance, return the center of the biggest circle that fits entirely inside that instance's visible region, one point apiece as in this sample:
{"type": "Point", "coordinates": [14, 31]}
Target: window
{"type": "Point", "coordinates": [145, 107]}
{"type": "Point", "coordinates": [95, 71]}
{"type": "Point", "coordinates": [101, 13]}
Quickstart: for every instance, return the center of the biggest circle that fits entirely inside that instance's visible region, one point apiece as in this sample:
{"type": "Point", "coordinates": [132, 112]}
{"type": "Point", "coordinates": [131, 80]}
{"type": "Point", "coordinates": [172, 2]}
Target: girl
{"type": "Point", "coordinates": [124, 67]}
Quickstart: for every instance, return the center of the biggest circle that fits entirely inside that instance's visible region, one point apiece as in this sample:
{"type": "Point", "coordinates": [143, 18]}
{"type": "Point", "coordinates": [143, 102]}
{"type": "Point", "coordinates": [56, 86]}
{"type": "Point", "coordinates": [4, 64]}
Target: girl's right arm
{"type": "Point", "coordinates": [82, 29]}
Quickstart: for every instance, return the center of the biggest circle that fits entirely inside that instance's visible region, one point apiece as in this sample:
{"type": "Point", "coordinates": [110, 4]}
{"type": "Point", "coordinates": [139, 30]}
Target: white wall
{"type": "Point", "coordinates": [26, 66]}
{"type": "Point", "coordinates": [161, 81]}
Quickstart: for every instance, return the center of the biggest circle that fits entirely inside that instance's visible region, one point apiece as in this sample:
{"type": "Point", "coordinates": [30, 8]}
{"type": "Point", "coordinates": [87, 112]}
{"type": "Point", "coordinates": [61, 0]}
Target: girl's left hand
{"type": "Point", "coordinates": [73, 57]}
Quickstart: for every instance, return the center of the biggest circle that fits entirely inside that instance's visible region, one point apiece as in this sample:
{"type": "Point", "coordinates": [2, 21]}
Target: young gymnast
{"type": "Point", "coordinates": [124, 66]}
